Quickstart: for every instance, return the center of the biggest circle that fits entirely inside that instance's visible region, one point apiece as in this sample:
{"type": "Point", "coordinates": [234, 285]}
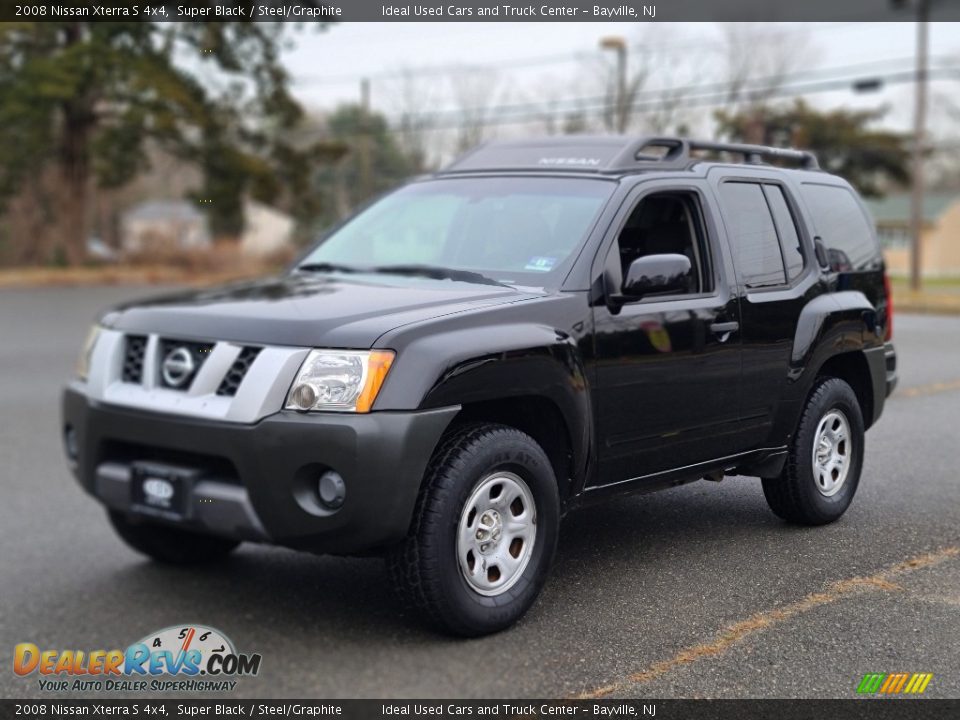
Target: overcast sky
{"type": "Point", "coordinates": [536, 60]}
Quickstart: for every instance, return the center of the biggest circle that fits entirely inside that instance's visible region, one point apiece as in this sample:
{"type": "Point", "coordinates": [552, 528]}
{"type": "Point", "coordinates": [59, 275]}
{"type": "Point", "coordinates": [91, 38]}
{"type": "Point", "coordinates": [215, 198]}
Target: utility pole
{"type": "Point", "coordinates": [919, 144]}
{"type": "Point", "coordinates": [619, 46]}
{"type": "Point", "coordinates": [366, 161]}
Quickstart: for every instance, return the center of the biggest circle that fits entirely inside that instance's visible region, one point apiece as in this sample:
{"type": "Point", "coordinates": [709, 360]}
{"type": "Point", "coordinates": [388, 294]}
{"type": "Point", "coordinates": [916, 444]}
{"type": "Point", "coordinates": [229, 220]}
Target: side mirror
{"type": "Point", "coordinates": [654, 274]}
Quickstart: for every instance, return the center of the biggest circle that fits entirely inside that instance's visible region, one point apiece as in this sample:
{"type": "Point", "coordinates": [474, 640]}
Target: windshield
{"type": "Point", "coordinates": [520, 230]}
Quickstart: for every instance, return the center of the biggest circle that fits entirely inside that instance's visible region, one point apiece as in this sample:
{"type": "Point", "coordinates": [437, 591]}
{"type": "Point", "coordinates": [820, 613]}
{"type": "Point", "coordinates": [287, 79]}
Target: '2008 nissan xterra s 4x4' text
{"type": "Point", "coordinates": [446, 374]}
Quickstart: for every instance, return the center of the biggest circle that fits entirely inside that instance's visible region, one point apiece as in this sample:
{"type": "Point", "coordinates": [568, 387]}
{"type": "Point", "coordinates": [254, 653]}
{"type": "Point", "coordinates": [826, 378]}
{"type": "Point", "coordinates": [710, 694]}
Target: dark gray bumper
{"type": "Point", "coordinates": [882, 362]}
{"type": "Point", "coordinates": [890, 363]}
{"type": "Point", "coordinates": [258, 482]}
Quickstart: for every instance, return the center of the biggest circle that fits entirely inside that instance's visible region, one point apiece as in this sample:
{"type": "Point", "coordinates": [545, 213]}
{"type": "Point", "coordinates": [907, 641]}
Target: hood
{"type": "Point", "coordinates": [306, 310]}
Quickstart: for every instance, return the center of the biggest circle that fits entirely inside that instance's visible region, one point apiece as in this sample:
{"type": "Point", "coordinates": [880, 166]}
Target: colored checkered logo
{"type": "Point", "coordinates": [894, 683]}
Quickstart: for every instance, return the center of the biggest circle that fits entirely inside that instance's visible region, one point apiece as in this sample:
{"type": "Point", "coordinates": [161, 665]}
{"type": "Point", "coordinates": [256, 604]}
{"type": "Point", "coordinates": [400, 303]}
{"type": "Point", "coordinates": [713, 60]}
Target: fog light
{"type": "Point", "coordinates": [331, 489]}
{"type": "Point", "coordinates": [70, 442]}
{"type": "Point", "coordinates": [304, 396]}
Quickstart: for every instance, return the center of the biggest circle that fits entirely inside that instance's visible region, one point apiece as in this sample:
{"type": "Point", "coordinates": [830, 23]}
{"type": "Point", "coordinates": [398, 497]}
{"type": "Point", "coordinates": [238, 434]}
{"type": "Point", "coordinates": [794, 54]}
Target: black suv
{"type": "Point", "coordinates": [446, 374]}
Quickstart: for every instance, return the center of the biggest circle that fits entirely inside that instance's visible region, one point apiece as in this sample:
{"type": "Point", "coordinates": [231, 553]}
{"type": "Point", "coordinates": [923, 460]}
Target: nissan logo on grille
{"type": "Point", "coordinates": [178, 366]}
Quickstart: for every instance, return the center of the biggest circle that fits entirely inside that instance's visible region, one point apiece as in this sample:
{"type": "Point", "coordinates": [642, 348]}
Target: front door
{"type": "Point", "coordinates": [667, 368]}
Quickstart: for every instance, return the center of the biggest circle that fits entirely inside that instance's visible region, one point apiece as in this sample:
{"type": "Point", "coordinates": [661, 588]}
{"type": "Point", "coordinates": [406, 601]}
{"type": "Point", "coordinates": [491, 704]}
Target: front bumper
{"type": "Point", "coordinates": [258, 482]}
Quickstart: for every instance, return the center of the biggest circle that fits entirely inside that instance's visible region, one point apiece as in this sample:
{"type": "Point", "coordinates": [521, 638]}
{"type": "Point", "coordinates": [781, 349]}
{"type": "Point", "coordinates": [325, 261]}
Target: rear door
{"type": "Point", "coordinates": [667, 368]}
{"type": "Point", "coordinates": [772, 263]}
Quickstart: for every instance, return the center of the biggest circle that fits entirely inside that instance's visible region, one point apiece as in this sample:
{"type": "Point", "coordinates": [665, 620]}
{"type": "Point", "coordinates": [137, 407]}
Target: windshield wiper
{"type": "Point", "coordinates": [327, 267]}
{"type": "Point", "coordinates": [438, 273]}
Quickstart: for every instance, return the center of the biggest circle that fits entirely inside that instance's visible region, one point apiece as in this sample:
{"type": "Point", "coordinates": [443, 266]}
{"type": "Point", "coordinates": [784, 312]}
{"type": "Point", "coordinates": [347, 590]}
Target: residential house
{"type": "Point", "coordinates": [940, 237]}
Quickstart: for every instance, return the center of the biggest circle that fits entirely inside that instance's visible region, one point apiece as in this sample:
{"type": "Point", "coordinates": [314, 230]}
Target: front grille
{"type": "Point", "coordinates": [134, 350]}
{"type": "Point", "coordinates": [180, 361]}
{"type": "Point", "coordinates": [236, 373]}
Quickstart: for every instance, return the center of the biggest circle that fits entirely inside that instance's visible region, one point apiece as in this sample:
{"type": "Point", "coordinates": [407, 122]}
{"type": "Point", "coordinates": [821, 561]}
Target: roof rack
{"type": "Point", "coordinates": [756, 154]}
{"type": "Point", "coordinates": [613, 154]}
{"type": "Point", "coordinates": [679, 152]}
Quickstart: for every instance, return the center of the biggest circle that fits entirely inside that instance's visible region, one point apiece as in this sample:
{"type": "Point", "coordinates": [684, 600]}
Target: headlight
{"type": "Point", "coordinates": [344, 380]}
{"type": "Point", "coordinates": [83, 362]}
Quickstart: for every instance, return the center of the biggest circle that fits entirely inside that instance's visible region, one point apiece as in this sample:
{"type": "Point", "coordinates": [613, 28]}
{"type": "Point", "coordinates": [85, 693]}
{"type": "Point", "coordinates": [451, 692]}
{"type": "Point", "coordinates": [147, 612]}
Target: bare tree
{"type": "Point", "coordinates": [669, 70]}
{"type": "Point", "coordinates": [757, 60]}
{"type": "Point", "coordinates": [476, 91]}
{"type": "Point", "coordinates": [564, 102]}
{"type": "Point", "coordinates": [943, 164]}
{"type": "Point", "coordinates": [411, 97]}
{"type": "Point", "coordinates": [656, 76]}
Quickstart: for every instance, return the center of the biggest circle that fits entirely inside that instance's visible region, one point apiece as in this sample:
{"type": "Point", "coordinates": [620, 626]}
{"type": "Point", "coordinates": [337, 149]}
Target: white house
{"type": "Point", "coordinates": [266, 231]}
{"type": "Point", "coordinates": [164, 225]}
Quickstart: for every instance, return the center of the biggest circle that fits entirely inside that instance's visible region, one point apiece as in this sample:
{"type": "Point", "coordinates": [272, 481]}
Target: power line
{"type": "Point", "coordinates": [553, 59]}
{"type": "Point", "coordinates": [754, 85]}
{"type": "Point", "coordinates": [698, 97]}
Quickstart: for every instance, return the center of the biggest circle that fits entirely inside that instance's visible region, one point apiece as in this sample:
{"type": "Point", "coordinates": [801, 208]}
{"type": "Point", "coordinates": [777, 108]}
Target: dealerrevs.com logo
{"type": "Point", "coordinates": [181, 658]}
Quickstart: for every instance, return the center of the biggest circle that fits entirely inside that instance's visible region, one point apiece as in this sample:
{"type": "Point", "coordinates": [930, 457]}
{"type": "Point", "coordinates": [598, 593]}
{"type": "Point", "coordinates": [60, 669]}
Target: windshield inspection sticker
{"type": "Point", "coordinates": [540, 264]}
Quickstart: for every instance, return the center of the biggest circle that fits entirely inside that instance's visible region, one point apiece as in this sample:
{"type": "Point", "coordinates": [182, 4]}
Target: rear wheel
{"type": "Point", "coordinates": [169, 544]}
{"type": "Point", "coordinates": [484, 531]}
{"type": "Point", "coordinates": [825, 458]}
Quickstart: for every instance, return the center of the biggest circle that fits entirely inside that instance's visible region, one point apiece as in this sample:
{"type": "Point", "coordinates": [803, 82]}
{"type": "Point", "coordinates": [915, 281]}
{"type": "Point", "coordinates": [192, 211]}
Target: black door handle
{"type": "Point", "coordinates": [723, 328]}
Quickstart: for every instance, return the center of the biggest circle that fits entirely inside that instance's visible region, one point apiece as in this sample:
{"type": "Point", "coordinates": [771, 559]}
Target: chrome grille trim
{"type": "Point", "coordinates": [234, 383]}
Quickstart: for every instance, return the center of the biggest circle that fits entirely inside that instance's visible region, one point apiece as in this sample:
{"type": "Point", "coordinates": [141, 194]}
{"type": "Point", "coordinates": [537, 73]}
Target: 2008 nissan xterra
{"type": "Point", "coordinates": [446, 374]}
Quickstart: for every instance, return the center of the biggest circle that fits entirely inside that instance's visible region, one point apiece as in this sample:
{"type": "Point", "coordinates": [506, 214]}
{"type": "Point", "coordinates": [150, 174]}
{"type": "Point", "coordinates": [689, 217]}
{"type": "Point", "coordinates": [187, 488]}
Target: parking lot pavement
{"type": "Point", "coordinates": [694, 592]}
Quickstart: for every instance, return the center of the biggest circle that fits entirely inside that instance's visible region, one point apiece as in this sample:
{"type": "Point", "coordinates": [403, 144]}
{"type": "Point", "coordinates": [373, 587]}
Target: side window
{"type": "Point", "coordinates": [756, 249]}
{"type": "Point", "coordinates": [786, 230]}
{"type": "Point", "coordinates": [667, 223]}
{"type": "Point", "coordinates": [842, 225]}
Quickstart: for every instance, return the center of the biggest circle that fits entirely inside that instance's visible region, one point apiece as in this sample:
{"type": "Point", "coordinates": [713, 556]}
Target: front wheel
{"type": "Point", "coordinates": [825, 458]}
{"type": "Point", "coordinates": [484, 531]}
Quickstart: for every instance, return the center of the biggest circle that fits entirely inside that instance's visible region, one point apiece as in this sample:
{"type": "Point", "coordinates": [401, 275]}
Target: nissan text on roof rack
{"type": "Point", "coordinates": [443, 377]}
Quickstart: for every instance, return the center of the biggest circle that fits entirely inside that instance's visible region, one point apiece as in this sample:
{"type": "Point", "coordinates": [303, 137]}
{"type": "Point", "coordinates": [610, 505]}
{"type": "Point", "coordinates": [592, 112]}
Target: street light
{"type": "Point", "coordinates": [619, 46]}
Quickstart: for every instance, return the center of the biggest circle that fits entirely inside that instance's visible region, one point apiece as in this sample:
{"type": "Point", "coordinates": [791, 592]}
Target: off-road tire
{"type": "Point", "coordinates": [425, 567]}
{"type": "Point", "coordinates": [794, 495]}
{"type": "Point", "coordinates": [169, 545]}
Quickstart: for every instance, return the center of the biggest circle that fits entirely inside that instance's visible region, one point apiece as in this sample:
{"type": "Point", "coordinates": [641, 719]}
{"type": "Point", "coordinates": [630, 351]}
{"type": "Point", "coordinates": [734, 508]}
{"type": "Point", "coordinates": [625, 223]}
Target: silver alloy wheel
{"type": "Point", "coordinates": [832, 453]}
{"type": "Point", "coordinates": [497, 531]}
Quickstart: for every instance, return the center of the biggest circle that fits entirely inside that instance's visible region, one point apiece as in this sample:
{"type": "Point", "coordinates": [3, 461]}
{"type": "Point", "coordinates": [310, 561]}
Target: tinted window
{"type": "Point", "coordinates": [514, 229]}
{"type": "Point", "coordinates": [756, 248]}
{"type": "Point", "coordinates": [786, 229]}
{"type": "Point", "coordinates": [842, 225]}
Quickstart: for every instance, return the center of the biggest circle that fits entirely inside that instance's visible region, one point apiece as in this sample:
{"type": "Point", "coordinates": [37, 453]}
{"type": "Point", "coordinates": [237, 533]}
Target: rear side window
{"type": "Point", "coordinates": [842, 225]}
{"type": "Point", "coordinates": [786, 229]}
{"type": "Point", "coordinates": [753, 236]}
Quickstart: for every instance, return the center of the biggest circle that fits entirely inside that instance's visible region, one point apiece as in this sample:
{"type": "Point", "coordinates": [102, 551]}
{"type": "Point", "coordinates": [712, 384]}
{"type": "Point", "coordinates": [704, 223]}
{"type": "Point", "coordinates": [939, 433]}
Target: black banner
{"type": "Point", "coordinates": [506, 709]}
{"type": "Point", "coordinates": [325, 11]}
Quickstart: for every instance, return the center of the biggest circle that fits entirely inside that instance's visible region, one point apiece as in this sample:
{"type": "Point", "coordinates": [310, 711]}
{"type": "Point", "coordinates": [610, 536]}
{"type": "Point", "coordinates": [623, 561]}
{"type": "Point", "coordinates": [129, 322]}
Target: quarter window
{"type": "Point", "coordinates": [842, 225]}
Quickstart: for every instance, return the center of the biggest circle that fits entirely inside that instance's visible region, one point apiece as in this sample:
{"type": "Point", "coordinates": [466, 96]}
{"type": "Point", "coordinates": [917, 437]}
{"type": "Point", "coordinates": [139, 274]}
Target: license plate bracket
{"type": "Point", "coordinates": [162, 490]}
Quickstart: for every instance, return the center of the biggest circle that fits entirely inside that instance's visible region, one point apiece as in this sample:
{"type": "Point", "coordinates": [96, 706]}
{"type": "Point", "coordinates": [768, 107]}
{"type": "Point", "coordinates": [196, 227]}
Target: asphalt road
{"type": "Point", "coordinates": [694, 592]}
